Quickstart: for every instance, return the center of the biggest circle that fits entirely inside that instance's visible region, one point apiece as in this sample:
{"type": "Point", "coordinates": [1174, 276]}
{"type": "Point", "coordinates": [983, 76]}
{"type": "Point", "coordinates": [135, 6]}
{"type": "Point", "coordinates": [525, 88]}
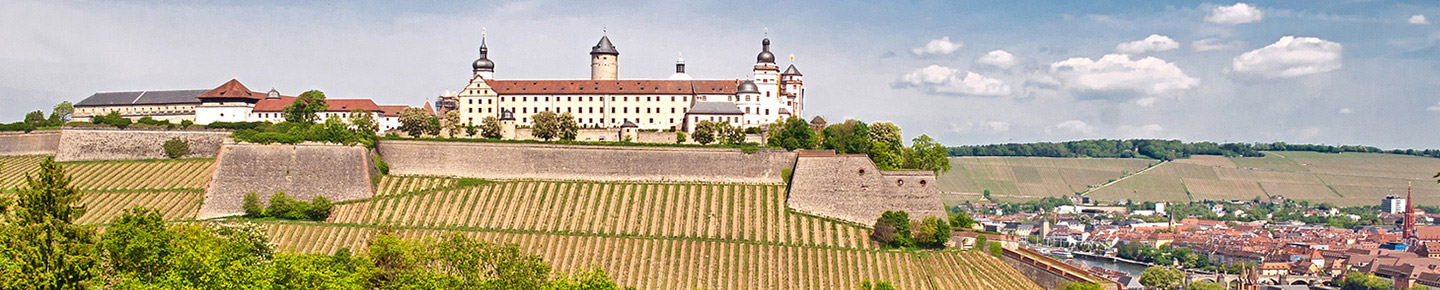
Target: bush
{"type": "Point", "coordinates": [176, 147]}
{"type": "Point", "coordinates": [932, 232]}
{"type": "Point", "coordinates": [284, 207]}
{"type": "Point", "coordinates": [900, 221]}
{"type": "Point", "coordinates": [380, 165]}
{"type": "Point", "coordinates": [787, 174]}
{"type": "Point", "coordinates": [252, 206]}
{"type": "Point", "coordinates": [258, 126]}
{"type": "Point", "coordinates": [882, 285]}
{"type": "Point", "coordinates": [114, 119]}
{"type": "Point", "coordinates": [319, 208]}
{"type": "Point", "coordinates": [996, 249]}
{"type": "Point", "coordinates": [981, 241]}
{"type": "Point", "coordinates": [17, 126]}
{"type": "Point", "coordinates": [679, 137]}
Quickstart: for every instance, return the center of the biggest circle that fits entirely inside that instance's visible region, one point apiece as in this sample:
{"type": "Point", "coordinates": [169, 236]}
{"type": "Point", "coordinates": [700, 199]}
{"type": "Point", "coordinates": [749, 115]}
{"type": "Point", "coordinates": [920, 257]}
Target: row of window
{"type": "Point", "coordinates": [587, 99]}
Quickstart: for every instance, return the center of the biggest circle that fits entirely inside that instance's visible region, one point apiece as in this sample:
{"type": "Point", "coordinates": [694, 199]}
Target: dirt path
{"type": "Point", "coordinates": [1122, 178]}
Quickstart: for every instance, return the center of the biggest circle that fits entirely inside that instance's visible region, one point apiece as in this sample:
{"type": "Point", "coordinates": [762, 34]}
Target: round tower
{"type": "Point", "coordinates": [604, 60]}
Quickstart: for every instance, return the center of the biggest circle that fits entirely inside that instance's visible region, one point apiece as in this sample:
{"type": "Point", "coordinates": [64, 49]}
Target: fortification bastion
{"type": "Point", "coordinates": [585, 162]}
{"type": "Point", "coordinates": [33, 143]}
{"type": "Point", "coordinates": [117, 144]}
{"type": "Point", "coordinates": [302, 171]}
{"type": "Point", "coordinates": [852, 188]}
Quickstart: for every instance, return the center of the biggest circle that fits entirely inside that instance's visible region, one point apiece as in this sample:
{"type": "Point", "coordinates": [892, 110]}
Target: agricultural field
{"type": "Point", "coordinates": [175, 187]}
{"type": "Point", "coordinates": [1343, 179]}
{"type": "Point", "coordinates": [727, 212]}
{"type": "Point", "coordinates": [678, 263]}
{"type": "Point", "coordinates": [1023, 178]}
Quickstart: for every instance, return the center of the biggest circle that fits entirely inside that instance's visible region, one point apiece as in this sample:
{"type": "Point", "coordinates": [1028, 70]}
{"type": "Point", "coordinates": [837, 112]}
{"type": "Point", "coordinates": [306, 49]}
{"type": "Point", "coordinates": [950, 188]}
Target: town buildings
{"type": "Point", "coordinates": [608, 101]}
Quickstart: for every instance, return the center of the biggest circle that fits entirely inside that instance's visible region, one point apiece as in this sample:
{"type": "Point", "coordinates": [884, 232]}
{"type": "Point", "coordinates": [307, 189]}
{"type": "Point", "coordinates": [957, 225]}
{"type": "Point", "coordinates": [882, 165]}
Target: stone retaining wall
{"type": "Point", "coordinates": [584, 162]}
{"type": "Point", "coordinates": [851, 188]}
{"type": "Point", "coordinates": [116, 144]}
{"type": "Point", "coordinates": [1045, 275]}
{"type": "Point", "coordinates": [33, 143]}
{"type": "Point", "coordinates": [302, 171]}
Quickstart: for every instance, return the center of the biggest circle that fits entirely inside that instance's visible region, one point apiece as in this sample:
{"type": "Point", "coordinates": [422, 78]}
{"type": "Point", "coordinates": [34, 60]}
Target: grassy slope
{"type": "Point", "coordinates": [1023, 178]}
{"type": "Point", "coordinates": [1343, 179]}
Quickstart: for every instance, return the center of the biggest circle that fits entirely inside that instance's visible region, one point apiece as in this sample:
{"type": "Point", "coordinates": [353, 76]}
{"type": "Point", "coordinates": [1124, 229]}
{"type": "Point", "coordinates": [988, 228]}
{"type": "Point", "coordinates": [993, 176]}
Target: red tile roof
{"type": "Point", "coordinates": [336, 105]}
{"type": "Point", "coordinates": [232, 89]}
{"type": "Point", "coordinates": [637, 87]}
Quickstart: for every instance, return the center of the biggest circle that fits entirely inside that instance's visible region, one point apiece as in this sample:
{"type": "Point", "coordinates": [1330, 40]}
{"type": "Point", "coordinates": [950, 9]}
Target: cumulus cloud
{"type": "Point", "coordinates": [1418, 19]}
{"type": "Point", "coordinates": [1154, 42]}
{"type": "Point", "coordinates": [998, 126]}
{"type": "Point", "coordinates": [1071, 127]}
{"type": "Point", "coordinates": [1239, 13]}
{"type": "Point", "coordinates": [1117, 72]}
{"type": "Point", "coordinates": [997, 58]}
{"type": "Point", "coordinates": [1145, 102]}
{"type": "Point", "coordinates": [1433, 108]}
{"type": "Point", "coordinates": [1210, 44]}
{"type": "Point", "coordinates": [938, 47]}
{"type": "Point", "coordinates": [1290, 57]}
{"type": "Point", "coordinates": [1346, 111]}
{"type": "Point", "coordinates": [990, 127]}
{"type": "Point", "coordinates": [1143, 131]}
{"type": "Point", "coordinates": [945, 80]}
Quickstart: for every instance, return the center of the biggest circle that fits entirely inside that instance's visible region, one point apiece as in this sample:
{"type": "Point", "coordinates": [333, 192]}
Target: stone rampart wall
{"type": "Point", "coordinates": [1045, 275]}
{"type": "Point", "coordinates": [302, 171]}
{"type": "Point", "coordinates": [33, 143]}
{"type": "Point", "coordinates": [116, 144]}
{"type": "Point", "coordinates": [851, 188]}
{"type": "Point", "coordinates": [584, 162]}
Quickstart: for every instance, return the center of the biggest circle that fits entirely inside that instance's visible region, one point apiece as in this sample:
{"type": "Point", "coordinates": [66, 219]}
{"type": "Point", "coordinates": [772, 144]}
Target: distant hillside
{"type": "Point", "coordinates": [1338, 178]}
{"type": "Point", "coordinates": [1161, 149]}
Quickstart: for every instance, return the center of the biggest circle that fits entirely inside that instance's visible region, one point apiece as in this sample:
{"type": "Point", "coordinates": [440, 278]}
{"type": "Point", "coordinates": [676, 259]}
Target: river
{"type": "Point", "coordinates": [1132, 269]}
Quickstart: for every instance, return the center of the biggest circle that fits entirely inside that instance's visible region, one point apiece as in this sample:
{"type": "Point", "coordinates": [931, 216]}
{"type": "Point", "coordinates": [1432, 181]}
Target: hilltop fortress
{"type": "Point", "coordinates": [606, 101]}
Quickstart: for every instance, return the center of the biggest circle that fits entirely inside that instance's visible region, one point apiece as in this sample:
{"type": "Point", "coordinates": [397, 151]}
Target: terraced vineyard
{"type": "Point", "coordinates": [674, 263]}
{"type": "Point", "coordinates": [728, 212]}
{"type": "Point", "coordinates": [175, 187]}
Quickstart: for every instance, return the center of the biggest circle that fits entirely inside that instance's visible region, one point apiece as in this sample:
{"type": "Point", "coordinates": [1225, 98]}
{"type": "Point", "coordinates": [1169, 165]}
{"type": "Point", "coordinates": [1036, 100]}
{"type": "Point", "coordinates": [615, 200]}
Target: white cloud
{"type": "Point", "coordinates": [1418, 19]}
{"type": "Point", "coordinates": [938, 47]}
{"type": "Point", "coordinates": [1290, 57]}
{"type": "Point", "coordinates": [945, 80]}
{"type": "Point", "coordinates": [1145, 102]}
{"type": "Point", "coordinates": [1072, 127]}
{"type": "Point", "coordinates": [1433, 108]}
{"type": "Point", "coordinates": [1234, 14]}
{"type": "Point", "coordinates": [1154, 42]}
{"type": "Point", "coordinates": [1210, 44]}
{"type": "Point", "coordinates": [998, 126]}
{"type": "Point", "coordinates": [1117, 72]}
{"type": "Point", "coordinates": [1346, 111]}
{"type": "Point", "coordinates": [997, 58]}
{"type": "Point", "coordinates": [1145, 131]}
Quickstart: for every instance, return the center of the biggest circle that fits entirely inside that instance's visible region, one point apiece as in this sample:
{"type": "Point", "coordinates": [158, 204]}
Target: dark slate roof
{"type": "Point", "coordinates": [715, 108]}
{"type": "Point", "coordinates": [604, 47]}
{"type": "Point", "coordinates": [784, 111]}
{"type": "Point", "coordinates": [791, 71]}
{"type": "Point", "coordinates": [629, 124]}
{"type": "Point", "coordinates": [143, 98]}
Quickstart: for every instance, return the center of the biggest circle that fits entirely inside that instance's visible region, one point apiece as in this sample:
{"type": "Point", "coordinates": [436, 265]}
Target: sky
{"type": "Point", "coordinates": [963, 72]}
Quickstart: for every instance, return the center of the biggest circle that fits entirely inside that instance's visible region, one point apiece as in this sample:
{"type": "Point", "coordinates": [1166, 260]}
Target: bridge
{"type": "Point", "coordinates": [1192, 276]}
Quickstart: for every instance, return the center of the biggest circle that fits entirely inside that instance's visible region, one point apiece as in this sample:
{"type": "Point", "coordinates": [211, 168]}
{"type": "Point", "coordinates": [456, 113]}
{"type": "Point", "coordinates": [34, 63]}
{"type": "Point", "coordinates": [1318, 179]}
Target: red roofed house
{"type": "Point", "coordinates": [233, 102]}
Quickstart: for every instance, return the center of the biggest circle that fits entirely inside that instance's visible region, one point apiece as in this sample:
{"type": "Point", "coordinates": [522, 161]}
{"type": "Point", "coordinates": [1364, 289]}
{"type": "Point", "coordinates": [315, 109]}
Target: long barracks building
{"type": "Point", "coordinates": [605, 101]}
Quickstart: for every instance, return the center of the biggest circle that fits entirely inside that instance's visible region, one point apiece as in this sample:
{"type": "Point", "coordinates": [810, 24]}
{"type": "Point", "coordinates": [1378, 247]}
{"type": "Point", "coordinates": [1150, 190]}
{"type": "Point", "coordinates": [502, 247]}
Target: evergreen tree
{"type": "Point", "coordinates": [51, 250]}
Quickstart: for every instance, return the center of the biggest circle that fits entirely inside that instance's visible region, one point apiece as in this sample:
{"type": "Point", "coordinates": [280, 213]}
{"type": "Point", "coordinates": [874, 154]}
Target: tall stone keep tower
{"type": "Point", "coordinates": [604, 60]}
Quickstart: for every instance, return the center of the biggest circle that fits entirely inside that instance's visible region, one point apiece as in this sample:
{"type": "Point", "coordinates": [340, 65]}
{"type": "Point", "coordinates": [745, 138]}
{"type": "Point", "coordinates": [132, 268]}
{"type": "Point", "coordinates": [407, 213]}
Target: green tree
{"type": "Point", "coordinates": [726, 133]}
{"type": "Point", "coordinates": [1161, 277]}
{"type": "Point", "coordinates": [54, 252]}
{"type": "Point", "coordinates": [850, 137]}
{"type": "Point", "coordinates": [490, 128]}
{"type": "Point", "coordinates": [452, 124]}
{"type": "Point", "coordinates": [305, 107]}
{"type": "Point", "coordinates": [927, 154]}
{"type": "Point", "coordinates": [252, 205]}
{"type": "Point", "coordinates": [61, 113]}
{"type": "Point", "coordinates": [792, 133]}
{"type": "Point", "coordinates": [1363, 281]}
{"type": "Point", "coordinates": [961, 220]}
{"type": "Point", "coordinates": [896, 223]}
{"type": "Point", "coordinates": [887, 157]}
{"type": "Point", "coordinates": [565, 127]}
{"type": "Point", "coordinates": [113, 119]}
{"type": "Point", "coordinates": [545, 125]}
{"type": "Point", "coordinates": [283, 206]}
{"type": "Point", "coordinates": [704, 132]}
{"type": "Point", "coordinates": [36, 118]}
{"type": "Point", "coordinates": [885, 132]}
{"type": "Point", "coordinates": [1205, 285]}
{"type": "Point", "coordinates": [932, 232]}
{"type": "Point", "coordinates": [319, 208]}
{"type": "Point", "coordinates": [363, 122]}
{"type": "Point", "coordinates": [415, 121]}
{"type": "Point", "coordinates": [176, 147]}
{"type": "Point", "coordinates": [138, 244]}
{"type": "Point", "coordinates": [1080, 286]}
{"type": "Point", "coordinates": [679, 137]}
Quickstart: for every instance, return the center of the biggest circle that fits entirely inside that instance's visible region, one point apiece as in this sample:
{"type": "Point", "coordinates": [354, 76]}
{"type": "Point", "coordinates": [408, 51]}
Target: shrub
{"type": "Point", "coordinates": [996, 249]}
{"type": "Point", "coordinates": [113, 119]}
{"type": "Point", "coordinates": [176, 147]}
{"type": "Point", "coordinates": [932, 232]}
{"type": "Point", "coordinates": [319, 208]}
{"type": "Point", "coordinates": [900, 221]}
{"type": "Point", "coordinates": [17, 126]}
{"type": "Point", "coordinates": [882, 285]}
{"type": "Point", "coordinates": [282, 206]}
{"type": "Point", "coordinates": [252, 206]}
{"type": "Point", "coordinates": [380, 165]}
{"type": "Point", "coordinates": [679, 137]}
{"type": "Point", "coordinates": [787, 174]}
{"type": "Point", "coordinates": [186, 124]}
{"type": "Point", "coordinates": [981, 241]}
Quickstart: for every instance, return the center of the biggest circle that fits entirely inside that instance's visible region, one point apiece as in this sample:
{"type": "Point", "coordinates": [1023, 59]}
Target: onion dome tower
{"type": "Point", "coordinates": [484, 68]}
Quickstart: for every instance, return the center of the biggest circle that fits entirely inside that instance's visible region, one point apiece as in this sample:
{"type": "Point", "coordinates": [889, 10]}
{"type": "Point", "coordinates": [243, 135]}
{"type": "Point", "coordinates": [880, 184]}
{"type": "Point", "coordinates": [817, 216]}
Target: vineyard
{"type": "Point", "coordinates": [175, 187]}
{"type": "Point", "coordinates": [676, 263]}
{"type": "Point", "coordinates": [726, 212]}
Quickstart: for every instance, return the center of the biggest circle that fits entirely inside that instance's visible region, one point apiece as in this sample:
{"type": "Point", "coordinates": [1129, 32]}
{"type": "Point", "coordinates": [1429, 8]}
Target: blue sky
{"type": "Point", "coordinates": [1337, 72]}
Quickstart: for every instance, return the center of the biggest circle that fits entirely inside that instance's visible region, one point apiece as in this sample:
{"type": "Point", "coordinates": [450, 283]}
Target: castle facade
{"type": "Point", "coordinates": [606, 101]}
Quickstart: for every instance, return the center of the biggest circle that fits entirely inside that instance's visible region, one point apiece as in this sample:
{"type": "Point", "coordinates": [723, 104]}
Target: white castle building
{"type": "Point", "coordinates": [606, 101]}
{"type": "Point", "coordinates": [230, 102]}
